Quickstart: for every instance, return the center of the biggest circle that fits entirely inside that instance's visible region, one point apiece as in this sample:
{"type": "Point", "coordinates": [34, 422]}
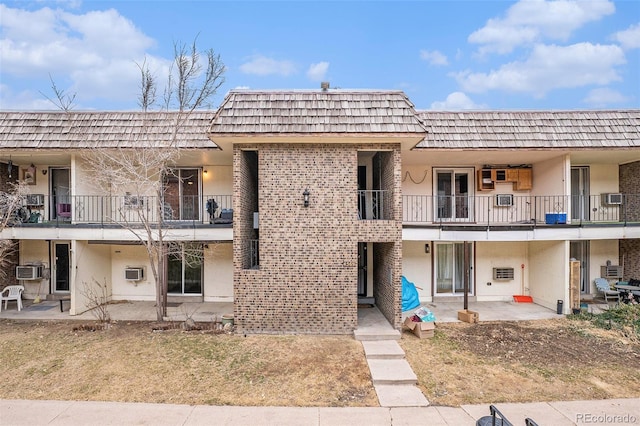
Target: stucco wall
{"type": "Point", "coordinates": [416, 267]}
{"type": "Point", "coordinates": [91, 276]}
{"type": "Point", "coordinates": [549, 273]}
{"type": "Point", "coordinates": [501, 255]}
{"type": "Point", "coordinates": [218, 273]}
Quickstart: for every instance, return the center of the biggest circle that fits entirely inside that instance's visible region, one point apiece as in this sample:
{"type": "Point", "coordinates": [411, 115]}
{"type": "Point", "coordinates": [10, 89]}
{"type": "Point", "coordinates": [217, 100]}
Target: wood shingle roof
{"type": "Point", "coordinates": [316, 113]}
{"type": "Point", "coordinates": [531, 129]}
{"type": "Point", "coordinates": [81, 130]}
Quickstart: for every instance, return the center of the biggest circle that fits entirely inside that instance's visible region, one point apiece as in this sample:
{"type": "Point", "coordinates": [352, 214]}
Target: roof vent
{"type": "Point", "coordinates": [324, 86]}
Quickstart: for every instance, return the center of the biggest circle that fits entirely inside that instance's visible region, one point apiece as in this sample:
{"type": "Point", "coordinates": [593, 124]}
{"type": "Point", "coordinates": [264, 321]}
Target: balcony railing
{"type": "Point", "coordinates": [374, 205]}
{"type": "Point", "coordinates": [126, 209]}
{"type": "Point", "coordinates": [507, 209]}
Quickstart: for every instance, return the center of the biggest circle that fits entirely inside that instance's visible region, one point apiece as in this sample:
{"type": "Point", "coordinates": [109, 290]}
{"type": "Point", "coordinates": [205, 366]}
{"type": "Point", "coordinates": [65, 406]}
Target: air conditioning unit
{"type": "Point", "coordinates": [35, 199]}
{"type": "Point", "coordinates": [503, 274]}
{"type": "Point", "coordinates": [504, 200]}
{"type": "Point", "coordinates": [611, 199]}
{"type": "Point", "coordinates": [133, 274]}
{"type": "Point", "coordinates": [29, 272]}
{"type": "Point", "coordinates": [133, 201]}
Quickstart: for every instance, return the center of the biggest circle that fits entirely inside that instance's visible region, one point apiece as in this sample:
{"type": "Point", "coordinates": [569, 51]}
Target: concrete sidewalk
{"type": "Point", "coordinates": [33, 413]}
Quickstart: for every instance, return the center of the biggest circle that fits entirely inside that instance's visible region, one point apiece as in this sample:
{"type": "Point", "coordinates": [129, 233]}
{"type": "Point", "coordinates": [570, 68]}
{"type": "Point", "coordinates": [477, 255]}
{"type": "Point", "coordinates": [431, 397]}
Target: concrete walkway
{"type": "Point", "coordinates": [72, 413]}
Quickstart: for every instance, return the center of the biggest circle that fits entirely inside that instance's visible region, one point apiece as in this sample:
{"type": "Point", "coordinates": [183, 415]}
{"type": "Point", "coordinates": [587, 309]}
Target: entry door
{"type": "Point", "coordinates": [579, 250]}
{"type": "Point", "coordinates": [454, 194]}
{"type": "Point", "coordinates": [61, 268]}
{"type": "Point", "coordinates": [450, 269]}
{"type": "Point", "coordinates": [580, 193]}
{"type": "Point", "coordinates": [362, 269]}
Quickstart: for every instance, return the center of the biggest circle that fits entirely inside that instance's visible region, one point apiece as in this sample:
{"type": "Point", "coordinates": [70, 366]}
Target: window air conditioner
{"type": "Point", "coordinates": [504, 200]}
{"type": "Point", "coordinates": [133, 201]}
{"type": "Point", "coordinates": [611, 271]}
{"type": "Point", "coordinates": [133, 274]}
{"type": "Point", "coordinates": [29, 272]}
{"type": "Point", "coordinates": [35, 199]}
{"type": "Point", "coordinates": [503, 274]}
{"type": "Point", "coordinates": [611, 199]}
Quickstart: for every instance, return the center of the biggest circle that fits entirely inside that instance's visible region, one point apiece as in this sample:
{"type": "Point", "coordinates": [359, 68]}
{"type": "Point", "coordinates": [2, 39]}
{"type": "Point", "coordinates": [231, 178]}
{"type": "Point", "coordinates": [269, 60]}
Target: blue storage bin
{"type": "Point", "coordinates": [555, 218]}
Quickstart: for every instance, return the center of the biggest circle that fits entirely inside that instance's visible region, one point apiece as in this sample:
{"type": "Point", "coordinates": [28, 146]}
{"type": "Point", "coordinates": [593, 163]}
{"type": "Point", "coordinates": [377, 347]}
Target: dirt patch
{"type": "Point", "coordinates": [523, 362]}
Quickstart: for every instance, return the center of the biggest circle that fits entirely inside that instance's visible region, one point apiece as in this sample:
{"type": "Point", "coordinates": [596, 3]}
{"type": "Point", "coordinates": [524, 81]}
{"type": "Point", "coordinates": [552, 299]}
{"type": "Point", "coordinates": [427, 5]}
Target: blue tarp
{"type": "Point", "coordinates": [410, 299]}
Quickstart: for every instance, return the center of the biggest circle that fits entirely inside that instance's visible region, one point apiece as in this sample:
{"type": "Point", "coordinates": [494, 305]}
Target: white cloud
{"type": "Point", "coordinates": [456, 101]}
{"type": "Point", "coordinates": [548, 68]}
{"type": "Point", "coordinates": [530, 21]}
{"type": "Point", "coordinates": [629, 38]}
{"type": "Point", "coordinates": [434, 57]}
{"type": "Point", "coordinates": [87, 49]}
{"type": "Point", "coordinates": [604, 96]}
{"type": "Point", "coordinates": [261, 65]}
{"type": "Point", "coordinates": [317, 72]}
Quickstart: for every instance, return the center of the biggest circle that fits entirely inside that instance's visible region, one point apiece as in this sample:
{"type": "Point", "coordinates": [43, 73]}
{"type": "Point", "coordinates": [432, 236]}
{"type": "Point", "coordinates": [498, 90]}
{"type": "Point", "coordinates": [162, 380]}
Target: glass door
{"type": "Point", "coordinates": [182, 195]}
{"type": "Point", "coordinates": [454, 194]}
{"type": "Point", "coordinates": [450, 269]}
{"type": "Point", "coordinates": [580, 193]}
{"type": "Point", "coordinates": [60, 201]}
{"type": "Point", "coordinates": [184, 271]}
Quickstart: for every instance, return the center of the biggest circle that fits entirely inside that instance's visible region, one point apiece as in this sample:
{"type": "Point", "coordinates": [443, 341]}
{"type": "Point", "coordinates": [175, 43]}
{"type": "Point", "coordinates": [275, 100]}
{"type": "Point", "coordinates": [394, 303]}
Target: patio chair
{"type": "Point", "coordinates": [11, 292]}
{"type": "Point", "coordinates": [63, 210]}
{"type": "Point", "coordinates": [603, 287]}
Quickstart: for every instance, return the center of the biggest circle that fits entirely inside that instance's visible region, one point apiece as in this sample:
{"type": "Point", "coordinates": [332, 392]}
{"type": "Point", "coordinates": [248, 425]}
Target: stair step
{"type": "Point", "coordinates": [363, 335]}
{"type": "Point", "coordinates": [400, 396]}
{"type": "Point", "coordinates": [391, 372]}
{"type": "Point", "coordinates": [382, 349]}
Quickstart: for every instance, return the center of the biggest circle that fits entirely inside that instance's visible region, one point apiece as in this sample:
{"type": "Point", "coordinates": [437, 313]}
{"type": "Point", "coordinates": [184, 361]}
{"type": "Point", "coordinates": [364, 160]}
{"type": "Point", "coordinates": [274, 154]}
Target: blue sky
{"type": "Point", "coordinates": [445, 55]}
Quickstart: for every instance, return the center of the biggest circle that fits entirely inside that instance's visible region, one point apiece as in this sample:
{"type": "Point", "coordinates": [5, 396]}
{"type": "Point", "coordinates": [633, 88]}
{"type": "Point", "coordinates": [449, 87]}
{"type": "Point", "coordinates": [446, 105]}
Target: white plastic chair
{"type": "Point", "coordinates": [11, 292]}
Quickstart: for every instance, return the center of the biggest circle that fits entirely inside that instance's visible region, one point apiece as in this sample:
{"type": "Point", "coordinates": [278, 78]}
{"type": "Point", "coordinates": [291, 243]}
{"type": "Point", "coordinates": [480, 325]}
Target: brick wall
{"type": "Point", "coordinates": [307, 279]}
{"type": "Point", "coordinates": [630, 249]}
{"type": "Point", "coordinates": [9, 267]}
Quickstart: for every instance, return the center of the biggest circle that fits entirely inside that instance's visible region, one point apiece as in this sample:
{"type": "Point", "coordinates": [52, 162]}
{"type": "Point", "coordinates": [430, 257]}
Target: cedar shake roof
{"type": "Point", "coordinates": [278, 113]}
{"type": "Point", "coordinates": [531, 129]}
{"type": "Point", "coordinates": [78, 130]}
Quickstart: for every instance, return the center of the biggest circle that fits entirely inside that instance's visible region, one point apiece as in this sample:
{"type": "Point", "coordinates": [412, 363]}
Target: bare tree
{"type": "Point", "coordinates": [140, 167]}
{"type": "Point", "coordinates": [11, 213]}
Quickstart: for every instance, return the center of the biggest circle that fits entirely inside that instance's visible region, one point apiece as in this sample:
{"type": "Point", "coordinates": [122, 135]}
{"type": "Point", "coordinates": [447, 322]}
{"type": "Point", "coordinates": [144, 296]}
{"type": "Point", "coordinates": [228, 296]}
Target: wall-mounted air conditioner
{"type": "Point", "coordinates": [133, 274]}
{"type": "Point", "coordinates": [503, 274]}
{"type": "Point", "coordinates": [612, 199]}
{"type": "Point", "coordinates": [504, 200]}
{"type": "Point", "coordinates": [29, 272]}
{"type": "Point", "coordinates": [35, 199]}
{"type": "Point", "coordinates": [133, 201]}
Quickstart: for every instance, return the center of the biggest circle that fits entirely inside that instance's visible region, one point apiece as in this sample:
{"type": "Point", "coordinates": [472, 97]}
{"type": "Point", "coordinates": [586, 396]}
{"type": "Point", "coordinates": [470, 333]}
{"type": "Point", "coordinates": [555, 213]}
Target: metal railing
{"type": "Point", "coordinates": [374, 205]}
{"type": "Point", "coordinates": [126, 209]}
{"type": "Point", "coordinates": [254, 254]}
{"type": "Point", "coordinates": [508, 209]}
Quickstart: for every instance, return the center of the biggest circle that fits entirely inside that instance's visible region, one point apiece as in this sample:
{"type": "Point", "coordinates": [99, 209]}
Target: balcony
{"type": "Point", "coordinates": [125, 210]}
{"type": "Point", "coordinates": [374, 205]}
{"type": "Point", "coordinates": [508, 210]}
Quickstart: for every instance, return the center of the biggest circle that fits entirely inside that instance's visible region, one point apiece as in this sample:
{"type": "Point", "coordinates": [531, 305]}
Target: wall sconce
{"type": "Point", "coordinates": [44, 171]}
{"type": "Point", "coordinates": [305, 197]}
{"type": "Point", "coordinates": [205, 171]}
{"type": "Point", "coordinates": [427, 248]}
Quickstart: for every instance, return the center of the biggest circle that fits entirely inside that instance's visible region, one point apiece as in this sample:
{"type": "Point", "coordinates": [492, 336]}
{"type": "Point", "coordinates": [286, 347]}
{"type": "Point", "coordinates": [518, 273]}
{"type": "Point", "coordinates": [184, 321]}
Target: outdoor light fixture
{"type": "Point", "coordinates": [305, 197]}
{"type": "Point", "coordinates": [427, 249]}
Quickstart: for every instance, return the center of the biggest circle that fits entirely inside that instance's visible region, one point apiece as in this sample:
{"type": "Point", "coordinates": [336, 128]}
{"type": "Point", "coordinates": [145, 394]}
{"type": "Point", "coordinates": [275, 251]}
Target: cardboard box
{"type": "Point", "coordinates": [468, 316]}
{"type": "Point", "coordinates": [421, 329]}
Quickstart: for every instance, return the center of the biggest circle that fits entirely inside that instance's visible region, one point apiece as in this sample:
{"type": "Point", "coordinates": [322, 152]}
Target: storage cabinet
{"type": "Point", "coordinates": [520, 177]}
